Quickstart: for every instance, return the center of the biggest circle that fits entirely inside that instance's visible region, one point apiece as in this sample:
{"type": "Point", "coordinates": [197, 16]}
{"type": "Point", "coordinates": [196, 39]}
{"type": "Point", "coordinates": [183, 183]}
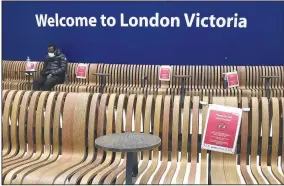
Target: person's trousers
{"type": "Point", "coordinates": [42, 83]}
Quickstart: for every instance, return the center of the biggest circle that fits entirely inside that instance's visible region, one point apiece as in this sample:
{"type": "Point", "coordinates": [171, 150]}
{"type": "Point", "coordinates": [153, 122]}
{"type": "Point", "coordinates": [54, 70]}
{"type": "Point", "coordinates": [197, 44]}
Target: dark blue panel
{"type": "Point", "coordinates": [262, 42]}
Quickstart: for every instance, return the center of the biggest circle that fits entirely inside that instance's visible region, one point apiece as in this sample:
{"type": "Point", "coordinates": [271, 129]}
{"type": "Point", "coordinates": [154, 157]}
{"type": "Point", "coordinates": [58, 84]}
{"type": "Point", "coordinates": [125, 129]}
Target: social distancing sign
{"type": "Point", "coordinates": [82, 70]}
{"type": "Point", "coordinates": [165, 73]}
{"type": "Point", "coordinates": [222, 128]}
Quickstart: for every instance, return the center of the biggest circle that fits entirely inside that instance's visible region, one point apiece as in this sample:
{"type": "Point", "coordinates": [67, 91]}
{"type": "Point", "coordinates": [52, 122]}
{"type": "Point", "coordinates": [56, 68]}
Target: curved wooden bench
{"type": "Point", "coordinates": [223, 166]}
{"type": "Point", "coordinates": [53, 109]}
{"type": "Point", "coordinates": [124, 78]}
{"type": "Point", "coordinates": [94, 115]}
{"type": "Point", "coordinates": [13, 136]}
{"type": "Point", "coordinates": [40, 156]}
{"type": "Point", "coordinates": [8, 171]}
{"type": "Point", "coordinates": [118, 156]}
{"type": "Point", "coordinates": [112, 101]}
{"type": "Point", "coordinates": [99, 118]}
{"type": "Point", "coordinates": [6, 124]}
{"type": "Point", "coordinates": [20, 149]}
{"type": "Point", "coordinates": [73, 146]}
{"type": "Point", "coordinates": [8, 166]}
{"type": "Point", "coordinates": [61, 179]}
{"type": "Point", "coordinates": [128, 128]}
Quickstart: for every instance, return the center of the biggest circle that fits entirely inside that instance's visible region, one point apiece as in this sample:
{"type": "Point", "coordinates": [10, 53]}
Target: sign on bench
{"type": "Point", "coordinates": [165, 73]}
{"type": "Point", "coordinates": [222, 128]}
{"type": "Point", "coordinates": [232, 79]}
{"type": "Point", "coordinates": [82, 71]}
{"type": "Point", "coordinates": [31, 66]}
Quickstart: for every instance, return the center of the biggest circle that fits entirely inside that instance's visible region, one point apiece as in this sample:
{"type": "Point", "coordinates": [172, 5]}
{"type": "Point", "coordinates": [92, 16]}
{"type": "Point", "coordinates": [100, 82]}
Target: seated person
{"type": "Point", "coordinates": [53, 72]}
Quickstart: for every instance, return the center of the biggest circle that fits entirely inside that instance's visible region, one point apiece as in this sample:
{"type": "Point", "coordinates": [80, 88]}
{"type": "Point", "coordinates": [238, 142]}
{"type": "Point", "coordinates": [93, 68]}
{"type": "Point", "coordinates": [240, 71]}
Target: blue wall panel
{"type": "Point", "coordinates": [262, 42]}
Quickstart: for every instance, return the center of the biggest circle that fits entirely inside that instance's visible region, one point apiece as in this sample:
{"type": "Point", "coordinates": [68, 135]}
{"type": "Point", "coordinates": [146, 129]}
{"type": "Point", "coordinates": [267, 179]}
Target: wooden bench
{"type": "Point", "coordinates": [14, 77]}
{"type": "Point", "coordinates": [138, 79]}
{"type": "Point", "coordinates": [71, 158]}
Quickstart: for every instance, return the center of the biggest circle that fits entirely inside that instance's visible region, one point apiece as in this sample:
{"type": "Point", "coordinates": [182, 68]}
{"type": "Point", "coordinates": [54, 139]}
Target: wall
{"type": "Point", "coordinates": [261, 43]}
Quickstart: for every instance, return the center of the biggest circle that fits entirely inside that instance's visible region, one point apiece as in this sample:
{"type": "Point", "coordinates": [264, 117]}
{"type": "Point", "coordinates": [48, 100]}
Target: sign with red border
{"type": "Point", "coordinates": [82, 71]}
{"type": "Point", "coordinates": [222, 128]}
{"type": "Point", "coordinates": [31, 66]}
{"type": "Point", "coordinates": [165, 73]}
{"type": "Point", "coordinates": [232, 79]}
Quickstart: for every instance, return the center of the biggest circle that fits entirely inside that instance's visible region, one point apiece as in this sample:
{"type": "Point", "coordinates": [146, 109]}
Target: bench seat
{"type": "Point", "coordinates": [67, 155]}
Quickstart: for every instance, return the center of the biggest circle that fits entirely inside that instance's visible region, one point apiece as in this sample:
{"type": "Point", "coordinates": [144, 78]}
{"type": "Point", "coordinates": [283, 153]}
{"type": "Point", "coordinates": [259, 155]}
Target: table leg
{"type": "Point", "coordinates": [225, 82]}
{"type": "Point", "coordinates": [182, 95]}
{"type": "Point", "coordinates": [101, 82]}
{"type": "Point", "coordinates": [135, 165]}
{"type": "Point", "coordinates": [30, 85]}
{"type": "Point", "coordinates": [131, 167]}
{"type": "Point", "coordinates": [267, 87]}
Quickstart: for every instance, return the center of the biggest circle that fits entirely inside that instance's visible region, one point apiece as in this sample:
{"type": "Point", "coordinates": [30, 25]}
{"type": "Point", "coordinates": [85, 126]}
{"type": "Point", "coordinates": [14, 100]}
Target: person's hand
{"type": "Point", "coordinates": [49, 76]}
{"type": "Point", "coordinates": [42, 72]}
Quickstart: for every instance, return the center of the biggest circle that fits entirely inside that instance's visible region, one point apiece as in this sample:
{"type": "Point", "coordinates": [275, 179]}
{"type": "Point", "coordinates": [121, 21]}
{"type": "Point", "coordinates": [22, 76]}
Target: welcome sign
{"type": "Point", "coordinates": [190, 20]}
{"type": "Point", "coordinates": [143, 32]}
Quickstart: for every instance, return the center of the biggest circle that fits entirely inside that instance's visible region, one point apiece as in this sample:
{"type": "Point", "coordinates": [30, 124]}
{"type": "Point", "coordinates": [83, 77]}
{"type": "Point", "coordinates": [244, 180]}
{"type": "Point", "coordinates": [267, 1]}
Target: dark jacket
{"type": "Point", "coordinates": [57, 65]}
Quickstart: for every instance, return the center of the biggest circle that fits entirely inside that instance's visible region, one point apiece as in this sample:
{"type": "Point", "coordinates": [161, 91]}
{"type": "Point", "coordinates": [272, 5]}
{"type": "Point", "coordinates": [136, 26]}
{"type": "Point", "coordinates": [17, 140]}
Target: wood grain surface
{"type": "Point", "coordinates": [175, 162]}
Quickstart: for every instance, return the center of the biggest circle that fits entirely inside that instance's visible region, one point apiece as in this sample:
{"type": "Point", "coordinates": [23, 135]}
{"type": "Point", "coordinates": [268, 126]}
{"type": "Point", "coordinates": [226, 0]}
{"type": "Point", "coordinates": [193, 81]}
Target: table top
{"type": "Point", "coordinates": [128, 142]}
{"type": "Point", "coordinates": [269, 77]}
{"type": "Point", "coordinates": [101, 74]}
{"type": "Point", "coordinates": [182, 76]}
{"type": "Point", "coordinates": [27, 71]}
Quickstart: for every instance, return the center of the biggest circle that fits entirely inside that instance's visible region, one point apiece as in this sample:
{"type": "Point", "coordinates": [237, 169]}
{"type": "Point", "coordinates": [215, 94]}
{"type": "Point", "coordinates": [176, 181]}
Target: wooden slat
{"type": "Point", "coordinates": [204, 163]}
{"type": "Point", "coordinates": [175, 123]}
{"type": "Point", "coordinates": [45, 103]}
{"type": "Point", "coordinates": [5, 123]}
{"type": "Point", "coordinates": [217, 168]}
{"type": "Point", "coordinates": [185, 134]}
{"type": "Point", "coordinates": [22, 123]}
{"type": "Point", "coordinates": [282, 155]}
{"type": "Point", "coordinates": [118, 129]}
{"type": "Point", "coordinates": [93, 115]}
{"type": "Point", "coordinates": [14, 146]}
{"type": "Point", "coordinates": [30, 135]}
{"type": "Point", "coordinates": [12, 169]}
{"type": "Point", "coordinates": [128, 128]}
{"type": "Point", "coordinates": [109, 155]}
{"type": "Point", "coordinates": [28, 174]}
{"type": "Point", "coordinates": [194, 141]}
{"type": "Point", "coordinates": [77, 151]}
{"type": "Point", "coordinates": [155, 158]}
{"type": "Point", "coordinates": [13, 136]}
{"type": "Point", "coordinates": [230, 160]}
{"type": "Point", "coordinates": [98, 120]}
{"type": "Point", "coordinates": [244, 142]}
{"type": "Point", "coordinates": [264, 141]}
{"type": "Point", "coordinates": [167, 117]}
{"type": "Point", "coordinates": [254, 142]}
{"type": "Point", "coordinates": [275, 120]}
{"type": "Point", "coordinates": [139, 114]}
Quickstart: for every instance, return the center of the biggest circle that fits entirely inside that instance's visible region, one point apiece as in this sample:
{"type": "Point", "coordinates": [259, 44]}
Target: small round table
{"type": "Point", "coordinates": [102, 77]}
{"type": "Point", "coordinates": [267, 84]}
{"type": "Point", "coordinates": [131, 143]}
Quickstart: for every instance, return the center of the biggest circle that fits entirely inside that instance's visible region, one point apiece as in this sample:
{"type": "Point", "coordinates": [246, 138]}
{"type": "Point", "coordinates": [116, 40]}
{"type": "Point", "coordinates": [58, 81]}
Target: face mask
{"type": "Point", "coordinates": [51, 54]}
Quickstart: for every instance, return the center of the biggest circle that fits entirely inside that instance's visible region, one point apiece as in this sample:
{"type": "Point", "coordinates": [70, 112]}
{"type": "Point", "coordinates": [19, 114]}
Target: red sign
{"type": "Point", "coordinates": [31, 66]}
{"type": "Point", "coordinates": [165, 73]}
{"type": "Point", "coordinates": [82, 71]}
{"type": "Point", "coordinates": [222, 128]}
{"type": "Point", "coordinates": [233, 79]}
